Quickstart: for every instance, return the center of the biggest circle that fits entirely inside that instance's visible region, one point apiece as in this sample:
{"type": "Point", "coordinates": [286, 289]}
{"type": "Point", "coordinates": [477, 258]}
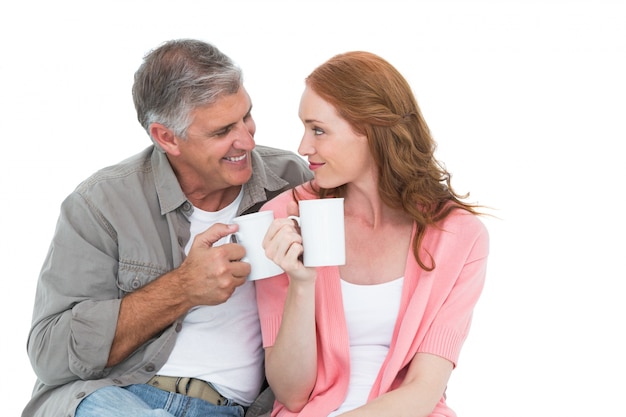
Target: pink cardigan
{"type": "Point", "coordinates": [435, 310]}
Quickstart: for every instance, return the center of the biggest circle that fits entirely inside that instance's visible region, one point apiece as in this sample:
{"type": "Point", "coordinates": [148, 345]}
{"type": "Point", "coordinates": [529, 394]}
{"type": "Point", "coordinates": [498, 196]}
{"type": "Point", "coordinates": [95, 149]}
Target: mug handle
{"type": "Point", "coordinates": [296, 219]}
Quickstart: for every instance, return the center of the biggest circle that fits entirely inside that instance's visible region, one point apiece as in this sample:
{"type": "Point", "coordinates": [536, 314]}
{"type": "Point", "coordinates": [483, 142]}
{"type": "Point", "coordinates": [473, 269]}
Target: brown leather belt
{"type": "Point", "coordinates": [190, 387]}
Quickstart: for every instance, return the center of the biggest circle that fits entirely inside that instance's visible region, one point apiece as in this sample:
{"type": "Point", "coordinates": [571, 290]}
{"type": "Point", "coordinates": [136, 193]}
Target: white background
{"type": "Point", "coordinates": [527, 100]}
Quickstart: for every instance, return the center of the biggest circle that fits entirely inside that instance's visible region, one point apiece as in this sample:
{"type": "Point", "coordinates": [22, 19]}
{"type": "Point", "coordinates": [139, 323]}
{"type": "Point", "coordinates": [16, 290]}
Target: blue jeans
{"type": "Point", "coordinates": [144, 400]}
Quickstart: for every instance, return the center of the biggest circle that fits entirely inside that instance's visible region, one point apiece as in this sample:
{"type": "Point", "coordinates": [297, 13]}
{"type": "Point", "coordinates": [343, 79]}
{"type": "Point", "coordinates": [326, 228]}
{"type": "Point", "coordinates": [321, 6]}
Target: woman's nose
{"type": "Point", "coordinates": [306, 147]}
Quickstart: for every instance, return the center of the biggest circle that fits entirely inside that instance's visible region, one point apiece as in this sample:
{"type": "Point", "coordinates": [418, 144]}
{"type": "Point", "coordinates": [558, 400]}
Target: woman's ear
{"type": "Point", "coordinates": [165, 138]}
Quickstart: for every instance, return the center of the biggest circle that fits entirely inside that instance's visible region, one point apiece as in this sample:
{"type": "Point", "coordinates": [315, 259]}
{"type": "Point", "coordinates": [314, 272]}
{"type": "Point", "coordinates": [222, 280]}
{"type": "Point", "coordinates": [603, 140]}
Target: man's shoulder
{"type": "Point", "coordinates": [271, 152]}
{"type": "Point", "coordinates": [140, 162]}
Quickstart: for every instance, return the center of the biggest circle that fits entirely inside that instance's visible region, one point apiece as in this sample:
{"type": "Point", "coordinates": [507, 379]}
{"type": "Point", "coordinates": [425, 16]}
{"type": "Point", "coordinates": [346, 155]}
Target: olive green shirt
{"type": "Point", "coordinates": [120, 229]}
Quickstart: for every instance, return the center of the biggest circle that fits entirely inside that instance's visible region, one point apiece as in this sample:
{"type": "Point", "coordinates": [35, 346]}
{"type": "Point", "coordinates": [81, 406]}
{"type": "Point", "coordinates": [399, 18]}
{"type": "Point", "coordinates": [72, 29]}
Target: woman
{"type": "Point", "coordinates": [380, 335]}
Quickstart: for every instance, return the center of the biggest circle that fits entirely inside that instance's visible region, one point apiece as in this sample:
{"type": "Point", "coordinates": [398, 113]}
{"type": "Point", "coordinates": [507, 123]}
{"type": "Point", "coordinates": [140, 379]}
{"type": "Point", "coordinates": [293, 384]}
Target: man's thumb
{"type": "Point", "coordinates": [215, 233]}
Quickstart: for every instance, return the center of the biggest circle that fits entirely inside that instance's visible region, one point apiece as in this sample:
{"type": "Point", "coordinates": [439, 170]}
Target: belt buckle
{"type": "Point", "coordinates": [218, 399]}
{"type": "Point", "coordinates": [177, 385]}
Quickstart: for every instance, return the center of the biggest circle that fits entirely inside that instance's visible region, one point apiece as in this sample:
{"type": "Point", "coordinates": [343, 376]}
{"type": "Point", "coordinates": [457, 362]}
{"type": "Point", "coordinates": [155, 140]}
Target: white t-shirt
{"type": "Point", "coordinates": [371, 313]}
{"type": "Point", "coordinates": [221, 344]}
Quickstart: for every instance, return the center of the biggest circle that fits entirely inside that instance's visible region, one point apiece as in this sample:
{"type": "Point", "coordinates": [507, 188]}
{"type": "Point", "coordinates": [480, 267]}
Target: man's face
{"type": "Point", "coordinates": [216, 153]}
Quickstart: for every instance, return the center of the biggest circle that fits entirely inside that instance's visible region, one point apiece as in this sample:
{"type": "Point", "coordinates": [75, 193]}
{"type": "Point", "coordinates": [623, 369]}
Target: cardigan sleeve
{"type": "Point", "coordinates": [460, 254]}
{"type": "Point", "coordinates": [272, 292]}
{"type": "Point", "coordinates": [451, 325]}
{"type": "Point", "coordinates": [437, 306]}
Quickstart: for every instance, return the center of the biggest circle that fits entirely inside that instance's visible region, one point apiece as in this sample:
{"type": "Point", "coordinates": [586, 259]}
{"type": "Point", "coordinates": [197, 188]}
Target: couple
{"type": "Point", "coordinates": [143, 308]}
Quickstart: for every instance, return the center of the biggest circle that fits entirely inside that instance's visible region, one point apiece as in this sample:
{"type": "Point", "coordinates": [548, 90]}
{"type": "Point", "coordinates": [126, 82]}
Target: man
{"type": "Point", "coordinates": [142, 303]}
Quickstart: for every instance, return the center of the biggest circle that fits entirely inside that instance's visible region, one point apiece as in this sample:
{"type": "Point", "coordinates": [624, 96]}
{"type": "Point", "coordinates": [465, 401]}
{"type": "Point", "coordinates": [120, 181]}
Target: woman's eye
{"type": "Point", "coordinates": [317, 131]}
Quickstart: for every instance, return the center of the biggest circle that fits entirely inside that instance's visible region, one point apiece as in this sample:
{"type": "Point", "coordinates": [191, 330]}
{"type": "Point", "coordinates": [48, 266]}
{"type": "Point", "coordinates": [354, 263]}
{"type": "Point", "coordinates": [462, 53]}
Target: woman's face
{"type": "Point", "coordinates": [336, 154]}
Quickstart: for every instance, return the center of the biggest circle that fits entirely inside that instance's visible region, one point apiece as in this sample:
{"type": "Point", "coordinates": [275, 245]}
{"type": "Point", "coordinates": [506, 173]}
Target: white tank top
{"type": "Point", "coordinates": [221, 344]}
{"type": "Point", "coordinates": [371, 313]}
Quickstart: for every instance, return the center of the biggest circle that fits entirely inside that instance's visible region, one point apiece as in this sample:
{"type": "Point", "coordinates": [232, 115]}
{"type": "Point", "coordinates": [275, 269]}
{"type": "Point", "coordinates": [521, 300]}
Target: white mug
{"type": "Point", "coordinates": [252, 229]}
{"type": "Point", "coordinates": [323, 232]}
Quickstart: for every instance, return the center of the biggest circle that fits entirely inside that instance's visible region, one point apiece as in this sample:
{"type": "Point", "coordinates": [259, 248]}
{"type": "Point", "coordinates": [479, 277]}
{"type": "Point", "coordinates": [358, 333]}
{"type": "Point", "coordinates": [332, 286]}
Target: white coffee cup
{"type": "Point", "coordinates": [252, 229]}
{"type": "Point", "coordinates": [323, 231]}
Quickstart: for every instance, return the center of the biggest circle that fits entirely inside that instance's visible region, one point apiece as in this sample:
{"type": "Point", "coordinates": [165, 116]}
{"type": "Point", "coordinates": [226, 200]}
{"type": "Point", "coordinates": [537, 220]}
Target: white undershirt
{"type": "Point", "coordinates": [221, 344]}
{"type": "Point", "coordinates": [371, 313]}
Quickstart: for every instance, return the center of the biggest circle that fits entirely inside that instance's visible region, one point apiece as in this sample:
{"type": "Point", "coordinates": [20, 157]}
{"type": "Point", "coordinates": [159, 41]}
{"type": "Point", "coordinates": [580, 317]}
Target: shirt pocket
{"type": "Point", "coordinates": [133, 275]}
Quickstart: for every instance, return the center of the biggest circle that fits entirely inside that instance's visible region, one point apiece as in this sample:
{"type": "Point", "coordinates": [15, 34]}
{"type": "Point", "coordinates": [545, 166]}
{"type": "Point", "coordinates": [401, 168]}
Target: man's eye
{"type": "Point", "coordinates": [317, 131]}
{"type": "Point", "coordinates": [223, 132]}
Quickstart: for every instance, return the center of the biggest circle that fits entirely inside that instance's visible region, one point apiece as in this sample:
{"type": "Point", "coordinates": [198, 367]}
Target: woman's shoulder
{"type": "Point", "coordinates": [463, 229]}
{"type": "Point", "coordinates": [460, 219]}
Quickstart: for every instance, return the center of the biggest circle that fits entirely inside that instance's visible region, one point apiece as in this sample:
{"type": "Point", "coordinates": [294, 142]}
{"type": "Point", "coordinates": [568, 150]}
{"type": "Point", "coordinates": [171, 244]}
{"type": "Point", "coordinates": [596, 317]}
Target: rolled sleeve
{"type": "Point", "coordinates": [77, 299]}
{"type": "Point", "coordinates": [91, 336]}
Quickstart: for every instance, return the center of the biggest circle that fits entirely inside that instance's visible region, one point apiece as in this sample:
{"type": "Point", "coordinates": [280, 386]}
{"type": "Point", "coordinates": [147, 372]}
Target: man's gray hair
{"type": "Point", "coordinates": [178, 77]}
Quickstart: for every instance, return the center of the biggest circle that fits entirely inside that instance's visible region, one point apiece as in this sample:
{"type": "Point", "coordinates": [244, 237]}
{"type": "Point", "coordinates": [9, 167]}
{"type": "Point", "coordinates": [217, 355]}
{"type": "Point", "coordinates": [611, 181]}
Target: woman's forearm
{"type": "Point", "coordinates": [291, 364]}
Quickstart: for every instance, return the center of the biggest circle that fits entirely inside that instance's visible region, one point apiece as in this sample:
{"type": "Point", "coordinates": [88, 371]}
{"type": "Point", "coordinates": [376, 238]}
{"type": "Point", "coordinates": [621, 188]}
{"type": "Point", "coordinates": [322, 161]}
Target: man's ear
{"type": "Point", "coordinates": [165, 138]}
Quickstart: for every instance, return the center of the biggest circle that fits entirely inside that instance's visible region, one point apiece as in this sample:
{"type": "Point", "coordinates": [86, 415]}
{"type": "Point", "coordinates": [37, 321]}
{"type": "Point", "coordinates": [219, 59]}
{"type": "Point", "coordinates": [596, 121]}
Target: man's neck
{"type": "Point", "coordinates": [215, 200]}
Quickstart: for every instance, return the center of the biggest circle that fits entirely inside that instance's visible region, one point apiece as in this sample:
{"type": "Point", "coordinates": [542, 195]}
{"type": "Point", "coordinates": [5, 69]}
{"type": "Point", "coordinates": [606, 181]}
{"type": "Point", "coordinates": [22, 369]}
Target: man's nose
{"type": "Point", "coordinates": [244, 138]}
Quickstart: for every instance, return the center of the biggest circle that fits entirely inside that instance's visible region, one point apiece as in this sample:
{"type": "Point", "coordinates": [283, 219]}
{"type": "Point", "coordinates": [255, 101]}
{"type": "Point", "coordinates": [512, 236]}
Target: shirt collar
{"type": "Point", "coordinates": [171, 196]}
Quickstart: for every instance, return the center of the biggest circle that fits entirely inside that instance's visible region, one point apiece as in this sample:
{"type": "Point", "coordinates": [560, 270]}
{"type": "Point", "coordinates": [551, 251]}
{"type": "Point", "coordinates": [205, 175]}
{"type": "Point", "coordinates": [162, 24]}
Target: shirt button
{"type": "Point", "coordinates": [186, 206]}
{"type": "Point", "coordinates": [136, 283]}
{"type": "Point", "coordinates": [118, 382]}
{"type": "Point", "coordinates": [80, 394]}
{"type": "Point", "coordinates": [179, 327]}
{"type": "Point", "coordinates": [149, 367]}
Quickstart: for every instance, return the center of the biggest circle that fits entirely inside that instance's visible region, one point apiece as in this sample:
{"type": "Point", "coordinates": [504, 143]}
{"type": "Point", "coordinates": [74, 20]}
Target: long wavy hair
{"type": "Point", "coordinates": [377, 101]}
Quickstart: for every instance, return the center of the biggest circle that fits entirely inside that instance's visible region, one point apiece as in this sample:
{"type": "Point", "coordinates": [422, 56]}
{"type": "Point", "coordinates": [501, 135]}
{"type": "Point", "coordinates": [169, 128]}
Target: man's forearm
{"type": "Point", "coordinates": [144, 314]}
